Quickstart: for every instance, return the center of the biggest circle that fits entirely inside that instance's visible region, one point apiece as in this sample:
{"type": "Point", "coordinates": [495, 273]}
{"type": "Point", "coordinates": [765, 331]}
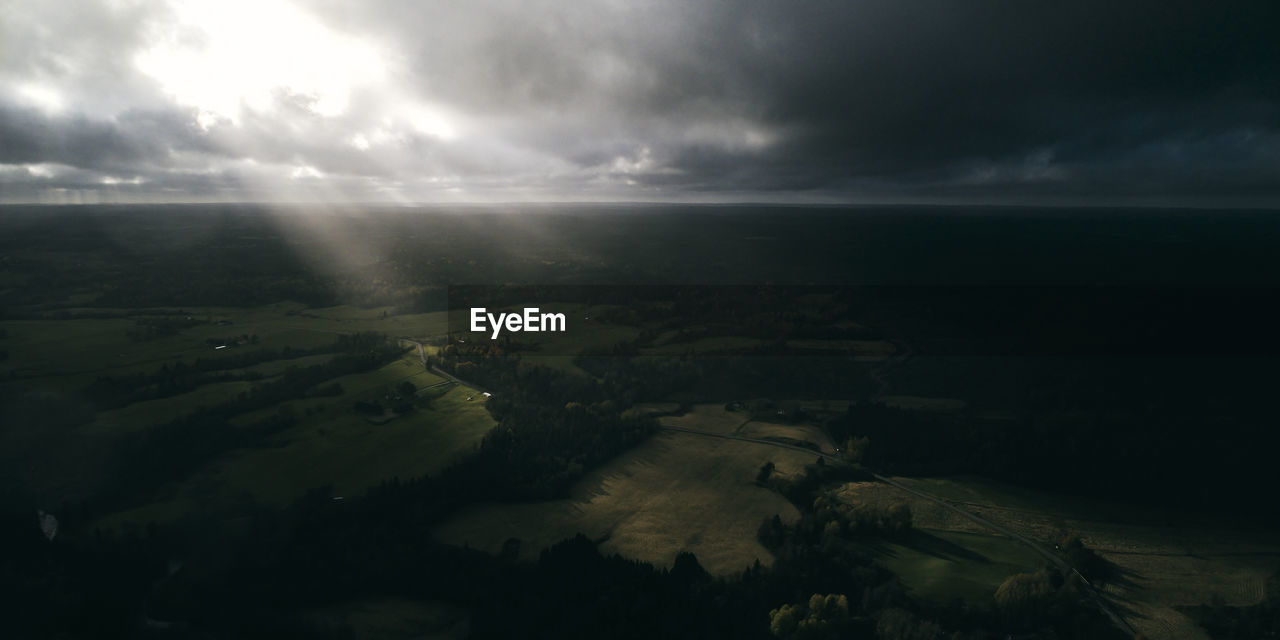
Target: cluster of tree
{"type": "Point", "coordinates": [1092, 566]}
{"type": "Point", "coordinates": [831, 521]}
{"type": "Point", "coordinates": [803, 489]}
{"type": "Point", "coordinates": [820, 617]}
{"type": "Point", "coordinates": [1022, 606]}
{"type": "Point", "coordinates": [364, 341]}
{"type": "Point", "coordinates": [402, 400]}
{"type": "Point", "coordinates": [1260, 620]}
{"type": "Point", "coordinates": [840, 517]}
{"type": "Point", "coordinates": [542, 452]}
{"type": "Point", "coordinates": [1026, 602]}
{"type": "Point", "coordinates": [114, 391]}
{"type": "Point", "coordinates": [1034, 605]}
{"type": "Point", "coordinates": [901, 624]}
{"type": "Point", "coordinates": [835, 529]}
{"type": "Point", "coordinates": [149, 458]}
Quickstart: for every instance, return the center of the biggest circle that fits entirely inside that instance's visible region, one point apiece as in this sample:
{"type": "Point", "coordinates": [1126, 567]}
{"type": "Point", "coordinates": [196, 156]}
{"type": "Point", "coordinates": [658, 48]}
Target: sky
{"type": "Point", "coordinates": [410, 101]}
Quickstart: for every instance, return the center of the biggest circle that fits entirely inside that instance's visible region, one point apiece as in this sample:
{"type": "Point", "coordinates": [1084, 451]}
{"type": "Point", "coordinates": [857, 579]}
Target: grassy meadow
{"type": "Point", "coordinates": [676, 492]}
{"type": "Point", "coordinates": [333, 446]}
{"type": "Point", "coordinates": [1164, 559]}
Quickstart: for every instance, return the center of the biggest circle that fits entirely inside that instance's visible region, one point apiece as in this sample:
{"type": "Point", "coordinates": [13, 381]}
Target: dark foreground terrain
{"type": "Point", "coordinates": [224, 422]}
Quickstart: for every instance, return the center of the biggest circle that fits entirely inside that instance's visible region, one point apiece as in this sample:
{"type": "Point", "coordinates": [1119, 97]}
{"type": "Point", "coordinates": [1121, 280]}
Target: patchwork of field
{"type": "Point", "coordinates": [277, 367]}
{"type": "Point", "coordinates": [1165, 560]}
{"type": "Point", "coordinates": [333, 447]}
{"type": "Point", "coordinates": [140, 415]}
{"type": "Point", "coordinates": [330, 444]}
{"type": "Point", "coordinates": [366, 385]}
{"type": "Point", "coordinates": [351, 454]}
{"type": "Point", "coordinates": [676, 492]}
{"type": "Point", "coordinates": [69, 353]}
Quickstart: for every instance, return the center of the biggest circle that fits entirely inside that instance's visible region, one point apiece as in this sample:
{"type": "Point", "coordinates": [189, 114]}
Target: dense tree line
{"type": "Point", "coordinates": [149, 458]}
{"type": "Point", "coordinates": [834, 533]}
{"type": "Point", "coordinates": [552, 426]}
{"type": "Point", "coordinates": [109, 392]}
{"type": "Point", "coordinates": [832, 541]}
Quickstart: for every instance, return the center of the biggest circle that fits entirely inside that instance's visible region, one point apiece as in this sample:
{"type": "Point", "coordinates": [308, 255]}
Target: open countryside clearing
{"type": "Point", "coordinates": [676, 492]}
{"type": "Point", "coordinates": [1166, 560]}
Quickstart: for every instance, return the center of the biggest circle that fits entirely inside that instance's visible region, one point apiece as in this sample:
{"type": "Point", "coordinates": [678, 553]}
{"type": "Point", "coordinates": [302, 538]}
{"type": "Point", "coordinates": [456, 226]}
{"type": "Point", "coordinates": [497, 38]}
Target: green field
{"type": "Point", "coordinates": [330, 443]}
{"type": "Point", "coordinates": [349, 453]}
{"type": "Point", "coordinates": [368, 385]}
{"type": "Point", "coordinates": [944, 565]}
{"type": "Point", "coordinates": [1165, 559]}
{"type": "Point", "coordinates": [71, 353]}
{"type": "Point", "coordinates": [676, 492]}
{"type": "Point", "coordinates": [140, 415]}
{"type": "Point", "coordinates": [336, 448]}
{"type": "Point", "coordinates": [277, 367]}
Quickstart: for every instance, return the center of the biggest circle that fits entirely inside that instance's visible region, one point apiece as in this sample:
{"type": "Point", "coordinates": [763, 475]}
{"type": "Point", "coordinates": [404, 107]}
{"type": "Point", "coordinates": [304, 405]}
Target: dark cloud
{"type": "Point", "coordinates": [902, 91]}
{"type": "Point", "coordinates": [133, 139]}
{"type": "Point", "coordinates": [876, 98]}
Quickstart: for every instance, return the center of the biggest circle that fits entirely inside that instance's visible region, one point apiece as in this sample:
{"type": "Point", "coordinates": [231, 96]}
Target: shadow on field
{"type": "Point", "coordinates": [1122, 576]}
{"type": "Point", "coordinates": [929, 544]}
{"type": "Point", "coordinates": [933, 545]}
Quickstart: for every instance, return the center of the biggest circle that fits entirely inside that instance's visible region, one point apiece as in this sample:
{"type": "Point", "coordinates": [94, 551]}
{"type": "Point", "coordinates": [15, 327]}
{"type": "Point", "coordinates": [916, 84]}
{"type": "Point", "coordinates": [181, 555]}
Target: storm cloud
{"type": "Point", "coordinates": [870, 100]}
